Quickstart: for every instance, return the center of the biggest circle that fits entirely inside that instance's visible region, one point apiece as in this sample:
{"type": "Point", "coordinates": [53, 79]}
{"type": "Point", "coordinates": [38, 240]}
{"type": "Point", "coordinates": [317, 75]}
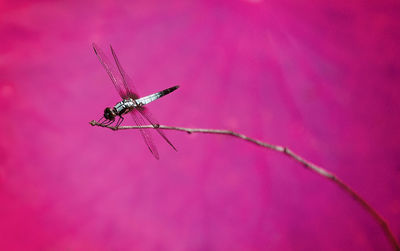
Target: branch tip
{"type": "Point", "coordinates": [286, 151]}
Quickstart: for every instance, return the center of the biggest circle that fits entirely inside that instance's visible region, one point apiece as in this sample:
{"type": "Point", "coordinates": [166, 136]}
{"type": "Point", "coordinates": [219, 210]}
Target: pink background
{"type": "Point", "coordinates": [321, 77]}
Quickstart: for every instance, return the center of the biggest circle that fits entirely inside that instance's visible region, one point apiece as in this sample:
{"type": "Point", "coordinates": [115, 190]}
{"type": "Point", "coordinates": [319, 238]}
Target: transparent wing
{"type": "Point", "coordinates": [127, 81]}
{"type": "Point", "coordinates": [131, 92]}
{"type": "Point", "coordinates": [112, 72]}
{"type": "Point", "coordinates": [145, 112]}
{"type": "Point", "coordinates": [145, 133]}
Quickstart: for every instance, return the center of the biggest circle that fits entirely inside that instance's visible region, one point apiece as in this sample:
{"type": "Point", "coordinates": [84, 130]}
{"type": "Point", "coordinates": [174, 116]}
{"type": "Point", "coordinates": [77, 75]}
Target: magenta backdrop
{"type": "Point", "coordinates": [319, 77]}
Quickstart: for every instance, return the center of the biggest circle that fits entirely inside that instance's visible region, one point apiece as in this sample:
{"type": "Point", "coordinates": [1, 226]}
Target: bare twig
{"type": "Point", "coordinates": [308, 165]}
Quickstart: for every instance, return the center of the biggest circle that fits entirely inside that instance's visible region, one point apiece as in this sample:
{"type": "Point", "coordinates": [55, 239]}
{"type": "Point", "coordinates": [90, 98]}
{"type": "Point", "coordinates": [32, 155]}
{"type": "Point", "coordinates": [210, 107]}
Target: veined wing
{"type": "Point", "coordinates": [127, 81]}
{"type": "Point", "coordinates": [128, 84]}
{"type": "Point", "coordinates": [145, 112]}
{"type": "Point", "coordinates": [145, 132]}
{"type": "Point", "coordinates": [112, 72]}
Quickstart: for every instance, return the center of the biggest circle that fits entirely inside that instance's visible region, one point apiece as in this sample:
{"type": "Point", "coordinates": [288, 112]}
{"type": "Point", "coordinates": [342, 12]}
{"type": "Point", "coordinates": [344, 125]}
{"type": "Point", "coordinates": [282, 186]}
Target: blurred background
{"type": "Point", "coordinates": [321, 78]}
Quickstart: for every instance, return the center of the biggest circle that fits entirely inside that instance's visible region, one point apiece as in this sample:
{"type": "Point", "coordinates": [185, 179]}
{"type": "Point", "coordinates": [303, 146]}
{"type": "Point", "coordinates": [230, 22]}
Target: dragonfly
{"type": "Point", "coordinates": [131, 102]}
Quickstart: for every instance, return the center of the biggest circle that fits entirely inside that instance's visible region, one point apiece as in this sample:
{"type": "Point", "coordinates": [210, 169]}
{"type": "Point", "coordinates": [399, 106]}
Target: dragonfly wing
{"type": "Point", "coordinates": [127, 81]}
{"type": "Point", "coordinates": [145, 112]}
{"type": "Point", "coordinates": [111, 71]}
{"type": "Point", "coordinates": [145, 133]}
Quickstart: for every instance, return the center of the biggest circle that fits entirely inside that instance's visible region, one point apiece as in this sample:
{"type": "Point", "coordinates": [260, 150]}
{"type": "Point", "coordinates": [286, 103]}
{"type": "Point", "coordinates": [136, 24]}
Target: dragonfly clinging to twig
{"type": "Point", "coordinates": [131, 102]}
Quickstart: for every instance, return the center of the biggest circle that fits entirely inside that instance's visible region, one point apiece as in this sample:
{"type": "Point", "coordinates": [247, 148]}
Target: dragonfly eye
{"type": "Point", "coordinates": [109, 113]}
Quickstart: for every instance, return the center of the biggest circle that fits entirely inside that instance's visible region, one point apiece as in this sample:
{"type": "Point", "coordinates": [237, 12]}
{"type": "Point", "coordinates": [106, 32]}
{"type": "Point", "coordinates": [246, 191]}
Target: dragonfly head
{"type": "Point", "coordinates": [109, 113]}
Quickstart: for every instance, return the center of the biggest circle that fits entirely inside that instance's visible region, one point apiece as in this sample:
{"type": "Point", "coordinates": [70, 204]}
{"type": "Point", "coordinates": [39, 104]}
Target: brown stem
{"type": "Point", "coordinates": [317, 169]}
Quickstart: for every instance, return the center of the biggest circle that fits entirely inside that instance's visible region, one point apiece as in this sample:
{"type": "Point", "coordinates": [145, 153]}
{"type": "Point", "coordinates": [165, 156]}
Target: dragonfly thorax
{"type": "Point", "coordinates": [124, 106]}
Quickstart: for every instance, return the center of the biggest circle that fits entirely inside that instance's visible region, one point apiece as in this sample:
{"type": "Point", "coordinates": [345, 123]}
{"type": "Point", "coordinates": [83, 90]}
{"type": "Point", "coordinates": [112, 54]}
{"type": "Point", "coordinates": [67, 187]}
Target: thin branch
{"type": "Point", "coordinates": [308, 165]}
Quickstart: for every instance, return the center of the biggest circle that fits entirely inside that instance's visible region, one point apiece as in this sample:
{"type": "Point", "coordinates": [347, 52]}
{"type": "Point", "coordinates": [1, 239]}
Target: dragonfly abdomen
{"type": "Point", "coordinates": [155, 96]}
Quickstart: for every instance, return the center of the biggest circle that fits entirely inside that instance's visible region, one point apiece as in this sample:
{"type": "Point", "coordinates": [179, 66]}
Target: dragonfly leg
{"type": "Point", "coordinates": [108, 122]}
{"type": "Point", "coordinates": [101, 120]}
{"type": "Point", "coordinates": [119, 122]}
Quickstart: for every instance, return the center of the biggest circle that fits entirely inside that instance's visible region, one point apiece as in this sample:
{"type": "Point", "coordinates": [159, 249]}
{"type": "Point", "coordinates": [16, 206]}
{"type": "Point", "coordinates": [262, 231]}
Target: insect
{"type": "Point", "coordinates": [131, 102]}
